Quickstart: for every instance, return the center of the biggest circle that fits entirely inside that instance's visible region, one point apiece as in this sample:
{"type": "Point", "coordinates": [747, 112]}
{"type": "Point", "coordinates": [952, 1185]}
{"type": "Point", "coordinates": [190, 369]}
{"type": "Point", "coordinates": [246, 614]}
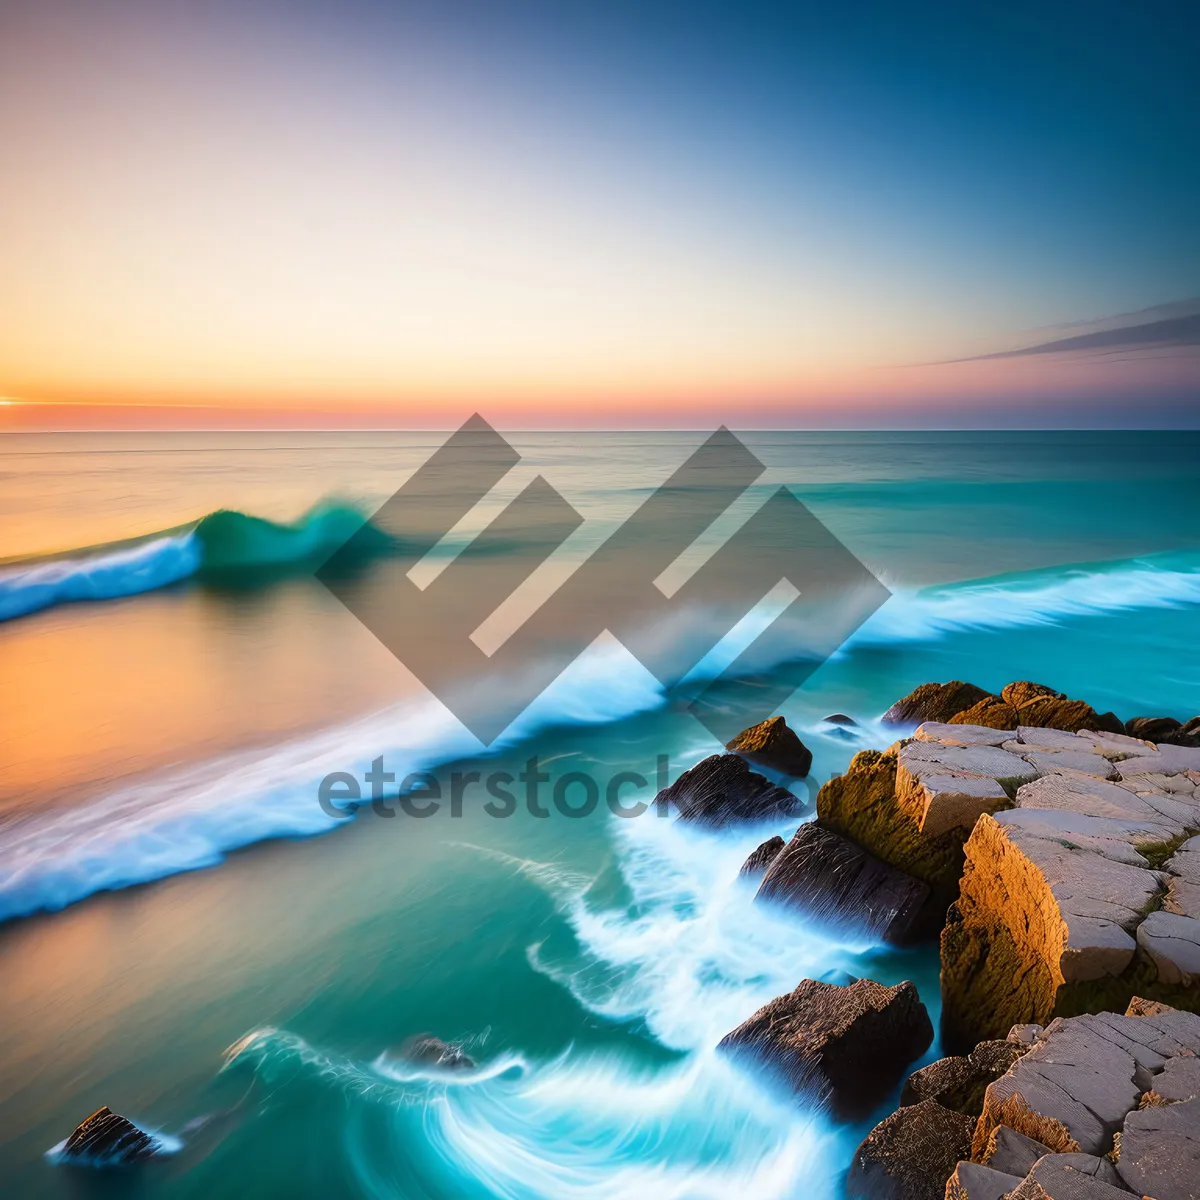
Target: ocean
{"type": "Point", "coordinates": [188, 936]}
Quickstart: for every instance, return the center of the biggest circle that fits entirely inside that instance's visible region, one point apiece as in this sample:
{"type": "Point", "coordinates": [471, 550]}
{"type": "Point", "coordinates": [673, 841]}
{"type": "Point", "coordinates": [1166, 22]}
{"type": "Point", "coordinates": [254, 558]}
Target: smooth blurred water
{"type": "Point", "coordinates": [588, 965]}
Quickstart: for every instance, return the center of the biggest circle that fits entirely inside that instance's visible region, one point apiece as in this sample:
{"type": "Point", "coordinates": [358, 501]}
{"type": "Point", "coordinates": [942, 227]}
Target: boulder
{"type": "Point", "coordinates": [722, 790]}
{"type": "Point", "coordinates": [430, 1051]}
{"type": "Point", "coordinates": [991, 712]}
{"type": "Point", "coordinates": [774, 745]}
{"type": "Point", "coordinates": [1024, 691]}
{"type": "Point", "coordinates": [911, 1154]}
{"type": "Point", "coordinates": [840, 1046]}
{"type": "Point", "coordinates": [107, 1139]}
{"type": "Point", "coordinates": [1160, 1152]}
{"type": "Point", "coordinates": [1152, 729]}
{"type": "Point", "coordinates": [842, 719]}
{"type": "Point", "coordinates": [763, 857]}
{"type": "Point", "coordinates": [833, 881]}
{"type": "Point", "coordinates": [934, 702]}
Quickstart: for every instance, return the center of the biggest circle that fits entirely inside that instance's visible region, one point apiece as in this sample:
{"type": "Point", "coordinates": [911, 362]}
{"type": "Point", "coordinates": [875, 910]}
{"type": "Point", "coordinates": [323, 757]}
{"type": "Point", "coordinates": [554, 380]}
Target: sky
{"type": "Point", "coordinates": [561, 213]}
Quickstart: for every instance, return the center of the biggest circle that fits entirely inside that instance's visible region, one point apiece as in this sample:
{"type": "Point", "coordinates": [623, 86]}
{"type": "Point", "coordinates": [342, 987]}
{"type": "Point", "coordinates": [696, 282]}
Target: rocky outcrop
{"type": "Point", "coordinates": [910, 1155]}
{"type": "Point", "coordinates": [1092, 1108]}
{"type": "Point", "coordinates": [107, 1139]}
{"type": "Point", "coordinates": [840, 1046]}
{"type": "Point", "coordinates": [722, 790]}
{"type": "Point", "coordinates": [760, 859]}
{"type": "Point", "coordinates": [1019, 703]}
{"type": "Point", "coordinates": [836, 883]}
{"type": "Point", "coordinates": [934, 702]}
{"type": "Point", "coordinates": [430, 1051]}
{"type": "Point", "coordinates": [1165, 730]}
{"type": "Point", "coordinates": [774, 745]}
{"type": "Point", "coordinates": [1082, 893]}
{"type": "Point", "coordinates": [1107, 1103]}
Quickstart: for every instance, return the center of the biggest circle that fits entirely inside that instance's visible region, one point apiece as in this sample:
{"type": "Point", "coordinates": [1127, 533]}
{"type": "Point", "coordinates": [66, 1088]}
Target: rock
{"type": "Point", "coordinates": [991, 712]}
{"type": "Point", "coordinates": [836, 883]}
{"type": "Point", "coordinates": [1024, 692]}
{"type": "Point", "coordinates": [844, 1046]}
{"type": "Point", "coordinates": [972, 1181]}
{"type": "Point", "coordinates": [934, 702]}
{"type": "Point", "coordinates": [1024, 1035]}
{"type": "Point", "coordinates": [842, 719]}
{"type": "Point", "coordinates": [763, 857]}
{"type": "Point", "coordinates": [1060, 897]}
{"type": "Point", "coordinates": [963, 734]}
{"type": "Point", "coordinates": [722, 790]}
{"type": "Point", "coordinates": [1075, 1088]}
{"type": "Point", "coordinates": [1173, 943]}
{"type": "Point", "coordinates": [911, 1154]}
{"type": "Point", "coordinates": [959, 1083]}
{"type": "Point", "coordinates": [1160, 1152]}
{"type": "Point", "coordinates": [430, 1051]}
{"type": "Point", "coordinates": [774, 745]}
{"type": "Point", "coordinates": [1147, 1008]}
{"type": "Point", "coordinates": [1068, 1177]}
{"type": "Point", "coordinates": [1012, 1152]}
{"type": "Point", "coordinates": [108, 1139]}
{"type": "Point", "coordinates": [863, 805]}
{"type": "Point", "coordinates": [1152, 729]}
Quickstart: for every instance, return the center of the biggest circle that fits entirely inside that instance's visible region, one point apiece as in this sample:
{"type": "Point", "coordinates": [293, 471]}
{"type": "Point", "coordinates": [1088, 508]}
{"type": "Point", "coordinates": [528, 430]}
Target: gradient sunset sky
{"type": "Point", "coordinates": [610, 213]}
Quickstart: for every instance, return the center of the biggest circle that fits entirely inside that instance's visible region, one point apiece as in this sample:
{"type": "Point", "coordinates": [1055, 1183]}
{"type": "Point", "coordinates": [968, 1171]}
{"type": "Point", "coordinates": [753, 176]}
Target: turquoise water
{"type": "Point", "coordinates": [247, 992]}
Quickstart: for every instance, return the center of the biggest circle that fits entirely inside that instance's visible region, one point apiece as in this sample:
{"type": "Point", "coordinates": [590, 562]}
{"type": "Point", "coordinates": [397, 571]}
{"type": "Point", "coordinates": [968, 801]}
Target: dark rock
{"type": "Point", "coordinates": [844, 1046]}
{"type": "Point", "coordinates": [839, 719]}
{"type": "Point", "coordinates": [110, 1139]}
{"type": "Point", "coordinates": [1152, 729]}
{"type": "Point", "coordinates": [1013, 1152]}
{"type": "Point", "coordinates": [1165, 730]}
{"type": "Point", "coordinates": [959, 1083]}
{"type": "Point", "coordinates": [774, 745]}
{"type": "Point", "coordinates": [836, 882]}
{"type": "Point", "coordinates": [430, 1051]}
{"type": "Point", "coordinates": [971, 1181]}
{"type": "Point", "coordinates": [1109, 722]}
{"type": "Point", "coordinates": [763, 857]}
{"type": "Point", "coordinates": [934, 702]}
{"type": "Point", "coordinates": [911, 1154]}
{"type": "Point", "coordinates": [722, 789]}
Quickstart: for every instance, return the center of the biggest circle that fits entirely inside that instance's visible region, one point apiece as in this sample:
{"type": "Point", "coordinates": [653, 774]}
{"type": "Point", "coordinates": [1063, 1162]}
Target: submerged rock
{"type": "Point", "coordinates": [844, 1046]}
{"type": "Point", "coordinates": [911, 1154]}
{"type": "Point", "coordinates": [774, 745]}
{"type": "Point", "coordinates": [839, 719]}
{"type": "Point", "coordinates": [763, 857]}
{"type": "Point", "coordinates": [108, 1139]}
{"type": "Point", "coordinates": [722, 789]}
{"type": "Point", "coordinates": [835, 882]}
{"type": "Point", "coordinates": [934, 702]}
{"type": "Point", "coordinates": [430, 1051]}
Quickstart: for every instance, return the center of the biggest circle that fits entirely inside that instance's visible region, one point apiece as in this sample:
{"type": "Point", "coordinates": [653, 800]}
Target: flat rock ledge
{"type": "Point", "coordinates": [1080, 893]}
{"type": "Point", "coordinates": [1062, 868]}
{"type": "Point", "coordinates": [842, 1047]}
{"type": "Point", "coordinates": [1095, 1107]}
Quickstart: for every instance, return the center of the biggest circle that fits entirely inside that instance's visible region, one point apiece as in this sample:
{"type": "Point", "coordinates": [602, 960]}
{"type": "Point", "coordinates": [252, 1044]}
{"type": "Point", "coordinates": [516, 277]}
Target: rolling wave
{"type": "Point", "coordinates": [223, 545]}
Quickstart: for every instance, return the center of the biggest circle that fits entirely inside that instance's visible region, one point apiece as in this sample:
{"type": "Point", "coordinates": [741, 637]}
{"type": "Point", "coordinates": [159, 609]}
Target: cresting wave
{"type": "Point", "coordinates": [222, 545]}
